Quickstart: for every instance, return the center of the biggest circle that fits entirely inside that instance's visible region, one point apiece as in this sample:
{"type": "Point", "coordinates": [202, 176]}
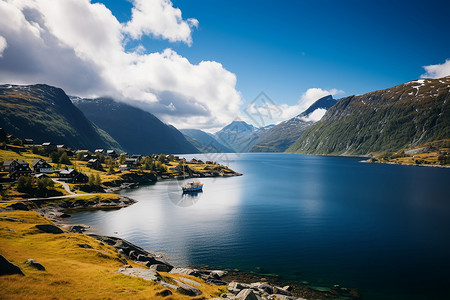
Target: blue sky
{"type": "Point", "coordinates": [285, 47]}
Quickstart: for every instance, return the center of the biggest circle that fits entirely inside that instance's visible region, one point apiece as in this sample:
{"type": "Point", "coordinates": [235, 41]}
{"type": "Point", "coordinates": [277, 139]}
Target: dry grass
{"type": "Point", "coordinates": [71, 272]}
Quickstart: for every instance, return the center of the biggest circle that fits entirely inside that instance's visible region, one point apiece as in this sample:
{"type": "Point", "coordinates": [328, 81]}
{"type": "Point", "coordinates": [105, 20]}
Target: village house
{"type": "Point", "coordinates": [16, 168]}
{"type": "Point", "coordinates": [72, 176]}
{"type": "Point", "coordinates": [131, 162]}
{"type": "Point", "coordinates": [111, 153]}
{"type": "Point", "coordinates": [137, 157]}
{"type": "Point", "coordinates": [99, 151]}
{"type": "Point", "coordinates": [94, 163]}
{"type": "Point", "coordinates": [49, 146]}
{"type": "Point", "coordinates": [124, 168]}
{"type": "Point", "coordinates": [28, 142]}
{"type": "Point", "coordinates": [41, 166]}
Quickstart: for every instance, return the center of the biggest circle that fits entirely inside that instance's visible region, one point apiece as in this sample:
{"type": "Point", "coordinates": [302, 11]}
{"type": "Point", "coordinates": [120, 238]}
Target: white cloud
{"type": "Point", "coordinates": [3, 45]}
{"type": "Point", "coordinates": [437, 71]}
{"type": "Point", "coordinates": [271, 113]}
{"type": "Point", "coordinates": [79, 46]}
{"type": "Point", "coordinates": [315, 116]}
{"type": "Point", "coordinates": [159, 19]}
{"type": "Point", "coordinates": [306, 100]}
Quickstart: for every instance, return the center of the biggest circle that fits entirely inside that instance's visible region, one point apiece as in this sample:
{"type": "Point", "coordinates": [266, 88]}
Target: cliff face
{"type": "Point", "coordinates": [45, 113]}
{"type": "Point", "coordinates": [403, 116]}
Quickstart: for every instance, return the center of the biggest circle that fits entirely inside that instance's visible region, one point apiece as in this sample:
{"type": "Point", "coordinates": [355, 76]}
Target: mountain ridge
{"type": "Point", "coordinates": [138, 131]}
{"type": "Point", "coordinates": [282, 136]}
{"type": "Point", "coordinates": [399, 117]}
{"type": "Point", "coordinates": [46, 113]}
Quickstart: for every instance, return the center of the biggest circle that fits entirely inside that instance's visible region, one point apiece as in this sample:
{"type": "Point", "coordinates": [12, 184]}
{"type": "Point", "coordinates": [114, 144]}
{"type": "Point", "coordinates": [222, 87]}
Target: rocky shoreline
{"type": "Point", "coordinates": [239, 285]}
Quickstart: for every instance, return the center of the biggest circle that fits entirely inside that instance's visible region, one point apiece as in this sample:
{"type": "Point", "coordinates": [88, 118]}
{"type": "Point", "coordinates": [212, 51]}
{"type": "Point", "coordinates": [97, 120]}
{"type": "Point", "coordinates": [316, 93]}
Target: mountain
{"type": "Point", "coordinates": [388, 120]}
{"type": "Point", "coordinates": [136, 130]}
{"type": "Point", "coordinates": [283, 135]}
{"type": "Point", "coordinates": [205, 142]}
{"type": "Point", "coordinates": [240, 136]}
{"type": "Point", "coordinates": [45, 113]}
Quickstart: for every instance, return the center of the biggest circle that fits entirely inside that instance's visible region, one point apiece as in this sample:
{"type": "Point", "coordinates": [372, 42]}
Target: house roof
{"type": "Point", "coordinates": [48, 144]}
{"type": "Point", "coordinates": [22, 162]}
{"type": "Point", "coordinates": [36, 161]}
{"type": "Point", "coordinates": [93, 160]}
{"type": "Point", "coordinates": [41, 175]}
{"type": "Point", "coordinates": [8, 162]}
{"type": "Point", "coordinates": [66, 171]}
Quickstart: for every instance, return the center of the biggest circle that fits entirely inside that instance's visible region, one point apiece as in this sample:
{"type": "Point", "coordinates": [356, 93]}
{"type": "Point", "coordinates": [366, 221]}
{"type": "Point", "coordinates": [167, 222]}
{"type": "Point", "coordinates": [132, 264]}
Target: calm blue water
{"type": "Point", "coordinates": [384, 229]}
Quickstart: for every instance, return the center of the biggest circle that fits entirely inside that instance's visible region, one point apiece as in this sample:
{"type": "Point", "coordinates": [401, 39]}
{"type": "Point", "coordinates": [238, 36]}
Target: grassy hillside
{"type": "Point", "coordinates": [72, 271]}
{"type": "Point", "coordinates": [136, 130]}
{"type": "Point", "coordinates": [388, 120]}
{"type": "Point", "coordinates": [436, 153]}
{"type": "Point", "coordinates": [45, 113]}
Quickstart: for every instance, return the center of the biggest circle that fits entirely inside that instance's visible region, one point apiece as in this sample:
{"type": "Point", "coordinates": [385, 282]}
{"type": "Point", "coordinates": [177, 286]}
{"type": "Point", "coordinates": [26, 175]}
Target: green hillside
{"type": "Point", "coordinates": [136, 130]}
{"type": "Point", "coordinates": [388, 120]}
{"type": "Point", "coordinates": [45, 113]}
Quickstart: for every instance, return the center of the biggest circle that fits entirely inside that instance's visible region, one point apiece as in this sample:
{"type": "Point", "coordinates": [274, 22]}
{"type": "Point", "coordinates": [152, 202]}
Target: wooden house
{"type": "Point", "coordinates": [41, 166]}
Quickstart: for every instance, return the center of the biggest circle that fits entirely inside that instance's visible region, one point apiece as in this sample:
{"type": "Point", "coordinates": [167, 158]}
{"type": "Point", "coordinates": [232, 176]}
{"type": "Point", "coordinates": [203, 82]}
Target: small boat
{"type": "Point", "coordinates": [194, 186]}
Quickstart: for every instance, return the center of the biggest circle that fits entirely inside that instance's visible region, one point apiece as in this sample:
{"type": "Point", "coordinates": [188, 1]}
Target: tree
{"type": "Point", "coordinates": [24, 184]}
{"type": "Point", "coordinates": [122, 159]}
{"type": "Point", "coordinates": [100, 157]}
{"type": "Point", "coordinates": [98, 181]}
{"type": "Point", "coordinates": [162, 158]}
{"type": "Point", "coordinates": [91, 181]}
{"type": "Point", "coordinates": [80, 155]}
{"type": "Point", "coordinates": [54, 156]}
{"type": "Point", "coordinates": [64, 159]}
{"type": "Point", "coordinates": [44, 183]}
{"type": "Point", "coordinates": [111, 169]}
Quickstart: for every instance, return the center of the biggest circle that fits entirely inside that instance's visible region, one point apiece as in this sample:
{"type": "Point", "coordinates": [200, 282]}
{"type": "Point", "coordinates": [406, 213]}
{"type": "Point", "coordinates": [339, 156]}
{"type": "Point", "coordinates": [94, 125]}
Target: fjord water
{"type": "Point", "coordinates": [383, 229]}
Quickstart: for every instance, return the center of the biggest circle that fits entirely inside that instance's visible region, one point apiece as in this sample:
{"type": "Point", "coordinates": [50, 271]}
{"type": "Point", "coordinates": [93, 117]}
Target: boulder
{"type": "Point", "coordinates": [18, 206]}
{"type": "Point", "coordinates": [283, 297]}
{"type": "Point", "coordinates": [147, 274]}
{"type": "Point", "coordinates": [49, 228]}
{"type": "Point", "coordinates": [8, 268]}
{"type": "Point", "coordinates": [187, 289]}
{"type": "Point", "coordinates": [218, 273]}
{"type": "Point", "coordinates": [164, 293]}
{"type": "Point", "coordinates": [160, 267]}
{"type": "Point", "coordinates": [246, 294]}
{"type": "Point", "coordinates": [77, 228]}
{"type": "Point", "coordinates": [236, 287]}
{"type": "Point", "coordinates": [35, 264]}
{"type": "Point", "coordinates": [287, 288]}
{"type": "Point", "coordinates": [14, 220]}
{"type": "Point", "coordinates": [185, 271]}
{"type": "Point", "coordinates": [281, 291]}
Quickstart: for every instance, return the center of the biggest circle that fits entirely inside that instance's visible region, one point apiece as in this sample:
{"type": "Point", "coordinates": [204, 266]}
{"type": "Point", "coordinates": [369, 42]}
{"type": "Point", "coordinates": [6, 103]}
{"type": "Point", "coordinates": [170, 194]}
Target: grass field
{"type": "Point", "coordinates": [72, 272]}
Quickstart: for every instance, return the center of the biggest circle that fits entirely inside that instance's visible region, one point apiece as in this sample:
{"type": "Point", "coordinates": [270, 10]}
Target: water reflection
{"type": "Point", "coordinates": [326, 218]}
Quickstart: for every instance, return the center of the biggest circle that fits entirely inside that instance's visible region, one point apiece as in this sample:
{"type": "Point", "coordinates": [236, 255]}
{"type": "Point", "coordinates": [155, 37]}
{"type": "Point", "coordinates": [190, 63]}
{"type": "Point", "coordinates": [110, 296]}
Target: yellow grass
{"type": "Point", "coordinates": [71, 272]}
